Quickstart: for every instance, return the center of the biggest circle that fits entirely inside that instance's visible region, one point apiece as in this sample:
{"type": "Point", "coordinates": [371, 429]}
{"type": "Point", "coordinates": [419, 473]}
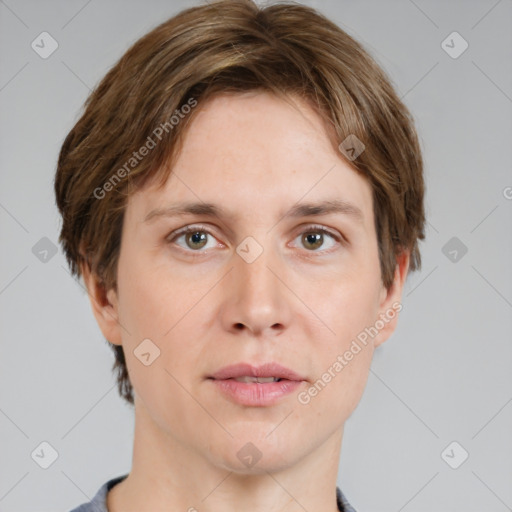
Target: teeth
{"type": "Point", "coordinates": [261, 380]}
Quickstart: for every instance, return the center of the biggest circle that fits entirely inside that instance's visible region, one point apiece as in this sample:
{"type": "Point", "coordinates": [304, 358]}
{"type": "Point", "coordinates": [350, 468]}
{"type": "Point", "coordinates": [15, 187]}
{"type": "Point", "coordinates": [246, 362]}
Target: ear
{"type": "Point", "coordinates": [104, 305]}
{"type": "Point", "coordinates": [390, 301]}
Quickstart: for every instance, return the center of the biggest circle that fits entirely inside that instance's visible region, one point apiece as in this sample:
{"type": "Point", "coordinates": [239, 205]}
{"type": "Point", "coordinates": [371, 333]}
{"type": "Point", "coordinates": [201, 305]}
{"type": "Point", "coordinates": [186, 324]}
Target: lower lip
{"type": "Point", "coordinates": [256, 394]}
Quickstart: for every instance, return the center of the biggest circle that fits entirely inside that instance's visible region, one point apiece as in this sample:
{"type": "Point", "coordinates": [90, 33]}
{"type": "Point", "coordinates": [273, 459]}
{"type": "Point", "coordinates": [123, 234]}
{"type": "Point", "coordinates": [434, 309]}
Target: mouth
{"type": "Point", "coordinates": [261, 380]}
{"type": "Point", "coordinates": [256, 386]}
{"type": "Point", "coordinates": [266, 373]}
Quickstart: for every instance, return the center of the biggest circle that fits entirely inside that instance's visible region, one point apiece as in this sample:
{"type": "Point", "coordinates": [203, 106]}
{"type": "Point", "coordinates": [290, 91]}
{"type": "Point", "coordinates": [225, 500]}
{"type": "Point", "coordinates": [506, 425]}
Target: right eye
{"type": "Point", "coordinates": [195, 238]}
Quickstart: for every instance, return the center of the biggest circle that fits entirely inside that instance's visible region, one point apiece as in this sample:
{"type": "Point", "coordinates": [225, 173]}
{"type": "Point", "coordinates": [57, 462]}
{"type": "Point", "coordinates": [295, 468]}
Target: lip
{"type": "Point", "coordinates": [265, 370]}
{"type": "Point", "coordinates": [256, 394]}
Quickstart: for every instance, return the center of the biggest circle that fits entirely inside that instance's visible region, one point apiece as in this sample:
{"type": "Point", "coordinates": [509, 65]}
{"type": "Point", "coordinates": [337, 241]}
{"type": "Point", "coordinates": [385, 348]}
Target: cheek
{"type": "Point", "coordinates": [348, 307]}
{"type": "Point", "coordinates": [148, 303]}
{"type": "Point", "coordinates": [350, 300]}
{"type": "Point", "coordinates": [342, 360]}
{"type": "Point", "coordinates": [160, 305]}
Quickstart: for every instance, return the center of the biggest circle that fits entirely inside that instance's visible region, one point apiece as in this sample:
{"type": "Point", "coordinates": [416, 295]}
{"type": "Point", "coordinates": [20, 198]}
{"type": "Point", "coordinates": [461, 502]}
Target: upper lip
{"type": "Point", "coordinates": [265, 370]}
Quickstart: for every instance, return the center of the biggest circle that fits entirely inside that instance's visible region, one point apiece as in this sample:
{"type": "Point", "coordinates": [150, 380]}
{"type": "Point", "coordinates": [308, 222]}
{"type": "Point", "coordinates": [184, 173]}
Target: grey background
{"type": "Point", "coordinates": [444, 376]}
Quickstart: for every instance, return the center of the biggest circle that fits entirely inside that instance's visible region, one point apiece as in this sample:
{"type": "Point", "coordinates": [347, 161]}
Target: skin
{"type": "Point", "coordinates": [300, 303]}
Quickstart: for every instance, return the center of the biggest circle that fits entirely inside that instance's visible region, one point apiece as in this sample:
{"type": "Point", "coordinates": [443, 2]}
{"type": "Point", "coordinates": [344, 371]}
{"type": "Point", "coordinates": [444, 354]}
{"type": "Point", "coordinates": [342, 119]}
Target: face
{"type": "Point", "coordinates": [262, 277]}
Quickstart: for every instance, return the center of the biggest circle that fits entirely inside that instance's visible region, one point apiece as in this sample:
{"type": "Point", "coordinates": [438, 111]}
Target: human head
{"type": "Point", "coordinates": [231, 47]}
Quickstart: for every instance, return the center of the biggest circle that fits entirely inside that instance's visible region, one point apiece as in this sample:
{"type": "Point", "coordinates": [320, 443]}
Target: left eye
{"type": "Point", "coordinates": [314, 238]}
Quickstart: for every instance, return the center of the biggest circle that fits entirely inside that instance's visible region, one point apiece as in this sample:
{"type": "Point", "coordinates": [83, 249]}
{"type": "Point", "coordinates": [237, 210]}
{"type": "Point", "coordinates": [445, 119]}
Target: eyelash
{"type": "Point", "coordinates": [195, 228]}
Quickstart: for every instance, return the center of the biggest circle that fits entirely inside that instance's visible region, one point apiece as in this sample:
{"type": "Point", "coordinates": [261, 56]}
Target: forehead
{"type": "Point", "coordinates": [258, 125]}
{"type": "Point", "coordinates": [254, 151]}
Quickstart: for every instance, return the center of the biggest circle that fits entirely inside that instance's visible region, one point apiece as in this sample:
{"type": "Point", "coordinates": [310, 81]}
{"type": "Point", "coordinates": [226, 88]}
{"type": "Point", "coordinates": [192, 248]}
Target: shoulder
{"type": "Point", "coordinates": [343, 504]}
{"type": "Point", "coordinates": [99, 501]}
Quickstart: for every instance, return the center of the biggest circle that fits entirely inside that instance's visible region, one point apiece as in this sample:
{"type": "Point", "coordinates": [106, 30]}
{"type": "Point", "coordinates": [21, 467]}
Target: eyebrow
{"type": "Point", "coordinates": [335, 206]}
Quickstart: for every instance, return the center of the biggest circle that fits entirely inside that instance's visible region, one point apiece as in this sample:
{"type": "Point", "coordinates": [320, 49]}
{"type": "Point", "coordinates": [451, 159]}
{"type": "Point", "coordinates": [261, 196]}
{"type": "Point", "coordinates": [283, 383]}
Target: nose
{"type": "Point", "coordinates": [255, 296]}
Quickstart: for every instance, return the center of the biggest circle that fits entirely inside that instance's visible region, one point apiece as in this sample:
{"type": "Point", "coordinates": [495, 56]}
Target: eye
{"type": "Point", "coordinates": [315, 236]}
{"type": "Point", "coordinates": [195, 238]}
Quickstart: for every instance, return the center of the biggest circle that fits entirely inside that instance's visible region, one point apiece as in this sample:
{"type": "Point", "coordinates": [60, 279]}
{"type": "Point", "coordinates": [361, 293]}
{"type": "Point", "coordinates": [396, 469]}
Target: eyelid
{"type": "Point", "coordinates": [318, 227]}
{"type": "Point", "coordinates": [190, 228]}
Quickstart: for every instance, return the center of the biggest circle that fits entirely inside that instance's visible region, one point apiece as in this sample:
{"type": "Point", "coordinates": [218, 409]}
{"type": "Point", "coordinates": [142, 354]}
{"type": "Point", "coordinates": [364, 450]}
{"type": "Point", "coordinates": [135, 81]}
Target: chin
{"type": "Point", "coordinates": [258, 454]}
{"type": "Point", "coordinates": [264, 466]}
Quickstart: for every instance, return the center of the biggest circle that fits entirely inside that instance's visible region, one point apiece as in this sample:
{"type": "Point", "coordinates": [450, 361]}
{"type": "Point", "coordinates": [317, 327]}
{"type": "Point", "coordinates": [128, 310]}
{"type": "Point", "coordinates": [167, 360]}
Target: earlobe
{"type": "Point", "coordinates": [104, 306]}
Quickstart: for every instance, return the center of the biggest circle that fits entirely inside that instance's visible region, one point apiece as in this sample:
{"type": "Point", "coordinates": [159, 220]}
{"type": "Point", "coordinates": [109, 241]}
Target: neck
{"type": "Point", "coordinates": [166, 474]}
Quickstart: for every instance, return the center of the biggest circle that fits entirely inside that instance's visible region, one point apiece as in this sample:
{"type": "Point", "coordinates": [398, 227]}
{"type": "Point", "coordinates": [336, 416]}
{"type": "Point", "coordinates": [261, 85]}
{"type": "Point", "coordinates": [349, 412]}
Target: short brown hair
{"type": "Point", "coordinates": [232, 46]}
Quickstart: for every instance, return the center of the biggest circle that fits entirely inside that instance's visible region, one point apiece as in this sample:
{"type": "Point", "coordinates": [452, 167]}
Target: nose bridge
{"type": "Point", "coordinates": [256, 298]}
{"type": "Point", "coordinates": [253, 260]}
